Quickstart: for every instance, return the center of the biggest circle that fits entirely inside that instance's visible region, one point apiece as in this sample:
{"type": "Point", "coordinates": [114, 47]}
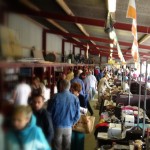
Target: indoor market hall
{"type": "Point", "coordinates": [74, 75]}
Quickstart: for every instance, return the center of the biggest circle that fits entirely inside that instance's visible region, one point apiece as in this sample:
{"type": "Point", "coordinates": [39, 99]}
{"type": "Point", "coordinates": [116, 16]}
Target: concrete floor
{"type": "Point", "coordinates": [90, 142]}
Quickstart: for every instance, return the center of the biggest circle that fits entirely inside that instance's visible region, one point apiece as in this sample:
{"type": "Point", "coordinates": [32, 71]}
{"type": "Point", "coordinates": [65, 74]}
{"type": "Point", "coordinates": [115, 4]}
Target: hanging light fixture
{"type": "Point", "coordinates": [87, 51]}
{"type": "Point", "coordinates": [115, 41]}
{"type": "Point", "coordinates": [111, 45]}
{"type": "Point", "coordinates": [111, 5]}
{"type": "Point", "coordinates": [111, 50]}
{"type": "Point", "coordinates": [112, 35]}
{"type": "Point", "coordinates": [110, 54]}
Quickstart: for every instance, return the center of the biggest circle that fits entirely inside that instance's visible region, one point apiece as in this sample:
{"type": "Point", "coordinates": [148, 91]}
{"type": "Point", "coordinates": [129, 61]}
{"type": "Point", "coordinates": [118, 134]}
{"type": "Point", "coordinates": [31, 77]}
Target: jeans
{"type": "Point", "coordinates": [92, 93]}
{"type": "Point", "coordinates": [62, 138]}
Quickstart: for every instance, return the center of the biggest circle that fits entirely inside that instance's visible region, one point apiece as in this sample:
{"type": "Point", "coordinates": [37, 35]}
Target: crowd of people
{"type": "Point", "coordinates": [34, 124]}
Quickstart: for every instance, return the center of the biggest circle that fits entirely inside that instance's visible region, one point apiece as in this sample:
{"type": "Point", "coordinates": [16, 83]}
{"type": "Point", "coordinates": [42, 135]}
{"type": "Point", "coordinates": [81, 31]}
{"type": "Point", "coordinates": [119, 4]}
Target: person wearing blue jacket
{"type": "Point", "coordinates": [25, 134]}
{"type": "Point", "coordinates": [65, 111]}
{"type": "Point", "coordinates": [78, 80]}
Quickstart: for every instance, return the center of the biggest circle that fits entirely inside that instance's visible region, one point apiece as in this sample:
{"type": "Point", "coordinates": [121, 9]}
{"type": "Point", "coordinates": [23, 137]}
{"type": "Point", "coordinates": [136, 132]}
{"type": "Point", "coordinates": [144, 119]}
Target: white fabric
{"type": "Point", "coordinates": [125, 86]}
{"type": "Point", "coordinates": [103, 84]}
{"type": "Point", "coordinates": [55, 90]}
{"type": "Point", "coordinates": [148, 85]}
{"type": "Point", "coordinates": [83, 110]}
{"type": "Point", "coordinates": [22, 91]}
{"type": "Point", "coordinates": [92, 81]}
{"type": "Point", "coordinates": [47, 92]}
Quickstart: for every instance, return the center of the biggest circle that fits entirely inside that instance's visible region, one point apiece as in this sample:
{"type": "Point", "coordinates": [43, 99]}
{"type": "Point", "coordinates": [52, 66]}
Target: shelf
{"type": "Point", "coordinates": [38, 64]}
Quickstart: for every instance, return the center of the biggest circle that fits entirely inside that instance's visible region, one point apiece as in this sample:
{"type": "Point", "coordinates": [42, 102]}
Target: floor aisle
{"type": "Point", "coordinates": [90, 142]}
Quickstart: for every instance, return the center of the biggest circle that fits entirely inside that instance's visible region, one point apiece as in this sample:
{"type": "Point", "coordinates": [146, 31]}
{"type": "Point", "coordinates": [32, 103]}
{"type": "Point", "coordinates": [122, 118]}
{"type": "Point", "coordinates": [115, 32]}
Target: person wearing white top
{"type": "Point", "coordinates": [93, 84]}
{"type": "Point", "coordinates": [21, 93]}
{"type": "Point", "coordinates": [148, 85]}
{"type": "Point", "coordinates": [102, 85]}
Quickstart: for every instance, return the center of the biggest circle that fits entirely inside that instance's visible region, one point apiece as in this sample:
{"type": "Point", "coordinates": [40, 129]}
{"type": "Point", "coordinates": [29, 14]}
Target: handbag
{"type": "Point", "coordinates": [85, 124]}
{"type": "Point", "coordinates": [134, 134]}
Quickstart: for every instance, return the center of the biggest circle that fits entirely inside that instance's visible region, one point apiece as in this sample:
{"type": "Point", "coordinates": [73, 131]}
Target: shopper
{"type": "Point", "coordinates": [77, 142]}
{"type": "Point", "coordinates": [82, 76]}
{"type": "Point", "coordinates": [78, 80]}
{"type": "Point", "coordinates": [86, 95]}
{"type": "Point", "coordinates": [90, 83]}
{"type": "Point", "coordinates": [70, 75]}
{"type": "Point", "coordinates": [22, 92]}
{"type": "Point", "coordinates": [102, 85]}
{"type": "Point", "coordinates": [38, 87]}
{"type": "Point", "coordinates": [25, 135]}
{"type": "Point", "coordinates": [135, 74]}
{"type": "Point", "coordinates": [43, 117]}
{"type": "Point", "coordinates": [65, 112]}
{"type": "Point", "coordinates": [101, 75]}
{"type": "Point", "coordinates": [61, 77]}
{"type": "Point", "coordinates": [97, 73]}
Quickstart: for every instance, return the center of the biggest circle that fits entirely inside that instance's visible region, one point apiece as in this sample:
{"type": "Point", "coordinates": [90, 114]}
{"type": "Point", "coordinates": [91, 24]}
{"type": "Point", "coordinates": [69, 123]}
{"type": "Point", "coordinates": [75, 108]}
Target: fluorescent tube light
{"type": "Point", "coordinates": [111, 5]}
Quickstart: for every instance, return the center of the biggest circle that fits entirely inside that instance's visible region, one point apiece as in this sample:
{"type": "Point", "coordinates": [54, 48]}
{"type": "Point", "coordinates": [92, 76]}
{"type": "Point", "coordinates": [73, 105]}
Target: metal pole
{"type": "Point", "coordinates": [123, 75]}
{"type": "Point", "coordinates": [129, 85]}
{"type": "Point", "coordinates": [145, 97]}
{"type": "Point", "coordinates": [139, 104]}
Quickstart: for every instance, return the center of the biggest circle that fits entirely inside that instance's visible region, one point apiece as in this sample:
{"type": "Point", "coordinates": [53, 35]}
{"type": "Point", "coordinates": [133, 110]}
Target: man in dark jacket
{"type": "Point", "coordinates": [43, 117]}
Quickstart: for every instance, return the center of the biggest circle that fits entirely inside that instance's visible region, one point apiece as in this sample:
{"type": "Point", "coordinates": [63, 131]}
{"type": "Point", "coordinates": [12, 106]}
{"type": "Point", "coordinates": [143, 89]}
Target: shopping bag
{"type": "Point", "coordinates": [85, 124]}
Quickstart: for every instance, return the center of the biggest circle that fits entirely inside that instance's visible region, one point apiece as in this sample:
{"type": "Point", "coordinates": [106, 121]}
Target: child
{"type": "Point", "coordinates": [25, 135]}
{"type": "Point", "coordinates": [43, 117]}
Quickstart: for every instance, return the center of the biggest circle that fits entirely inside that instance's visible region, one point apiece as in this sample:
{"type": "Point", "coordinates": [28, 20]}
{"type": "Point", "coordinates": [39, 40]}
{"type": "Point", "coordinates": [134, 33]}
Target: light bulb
{"type": "Point", "coordinates": [111, 50]}
{"type": "Point", "coordinates": [111, 45]}
{"type": "Point", "coordinates": [112, 35]}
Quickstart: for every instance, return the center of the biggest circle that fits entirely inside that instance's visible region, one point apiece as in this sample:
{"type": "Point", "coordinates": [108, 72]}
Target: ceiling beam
{"type": "Point", "coordinates": [104, 52]}
{"type": "Point", "coordinates": [108, 52]}
{"type": "Point", "coordinates": [102, 48]}
{"type": "Point", "coordinates": [94, 38]}
{"type": "Point", "coordinates": [82, 20]}
{"type": "Point", "coordinates": [69, 12]}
